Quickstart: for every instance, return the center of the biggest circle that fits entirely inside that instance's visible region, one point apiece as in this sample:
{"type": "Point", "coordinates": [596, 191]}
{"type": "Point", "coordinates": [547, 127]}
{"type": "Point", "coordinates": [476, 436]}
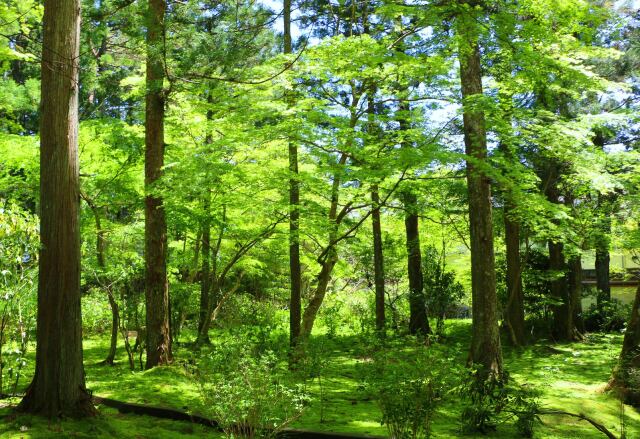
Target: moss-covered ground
{"type": "Point", "coordinates": [570, 377]}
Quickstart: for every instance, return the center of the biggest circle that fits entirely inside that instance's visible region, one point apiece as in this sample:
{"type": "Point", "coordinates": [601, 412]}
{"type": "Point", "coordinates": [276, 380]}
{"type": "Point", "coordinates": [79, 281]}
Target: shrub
{"type": "Point", "coordinates": [609, 316]}
{"type": "Point", "coordinates": [407, 390]}
{"type": "Point", "coordinates": [492, 401]}
{"type": "Point", "coordinates": [331, 315]}
{"type": "Point", "coordinates": [249, 396]}
{"type": "Point", "coordinates": [442, 289]}
{"type": "Point", "coordinates": [408, 407]}
{"type": "Point", "coordinates": [18, 270]}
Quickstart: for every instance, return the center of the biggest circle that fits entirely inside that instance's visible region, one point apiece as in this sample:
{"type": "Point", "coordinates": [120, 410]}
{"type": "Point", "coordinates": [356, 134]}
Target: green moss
{"type": "Point", "coordinates": [571, 377]}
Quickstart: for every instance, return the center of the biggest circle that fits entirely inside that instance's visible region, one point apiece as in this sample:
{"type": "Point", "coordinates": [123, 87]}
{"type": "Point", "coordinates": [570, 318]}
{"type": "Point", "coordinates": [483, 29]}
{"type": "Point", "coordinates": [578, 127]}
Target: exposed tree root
{"type": "Point", "coordinates": [178, 415]}
{"type": "Point", "coordinates": [596, 424]}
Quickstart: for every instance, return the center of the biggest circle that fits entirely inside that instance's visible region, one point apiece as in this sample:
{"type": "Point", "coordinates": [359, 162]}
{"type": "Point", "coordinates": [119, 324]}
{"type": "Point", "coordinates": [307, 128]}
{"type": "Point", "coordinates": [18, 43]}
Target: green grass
{"type": "Point", "coordinates": [571, 377]}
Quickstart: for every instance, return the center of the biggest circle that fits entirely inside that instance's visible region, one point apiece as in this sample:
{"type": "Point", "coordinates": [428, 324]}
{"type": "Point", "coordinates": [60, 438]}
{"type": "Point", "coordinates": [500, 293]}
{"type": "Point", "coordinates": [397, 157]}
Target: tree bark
{"type": "Point", "coordinates": [514, 313]}
{"type": "Point", "coordinates": [563, 326]}
{"type": "Point", "coordinates": [156, 284]}
{"type": "Point", "coordinates": [485, 344]}
{"type": "Point", "coordinates": [622, 378]}
{"type": "Point", "coordinates": [58, 386]}
{"type": "Point", "coordinates": [418, 319]}
{"type": "Point", "coordinates": [378, 258]}
{"type": "Point", "coordinates": [295, 270]}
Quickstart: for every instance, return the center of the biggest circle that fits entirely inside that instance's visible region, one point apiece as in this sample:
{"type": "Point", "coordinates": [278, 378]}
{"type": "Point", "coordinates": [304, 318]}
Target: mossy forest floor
{"type": "Point", "coordinates": [571, 377]}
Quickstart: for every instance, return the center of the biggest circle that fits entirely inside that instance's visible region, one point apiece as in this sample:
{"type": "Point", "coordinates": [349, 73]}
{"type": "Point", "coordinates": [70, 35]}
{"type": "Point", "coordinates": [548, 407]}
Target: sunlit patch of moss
{"type": "Point", "coordinates": [571, 377]}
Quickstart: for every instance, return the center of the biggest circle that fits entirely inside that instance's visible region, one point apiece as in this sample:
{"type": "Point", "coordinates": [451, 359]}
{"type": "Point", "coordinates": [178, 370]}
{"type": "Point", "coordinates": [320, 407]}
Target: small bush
{"type": "Point", "coordinates": [442, 290]}
{"type": "Point", "coordinates": [408, 407]}
{"type": "Point", "coordinates": [407, 390]}
{"type": "Point", "coordinates": [492, 401]}
{"type": "Point", "coordinates": [608, 316]}
{"type": "Point", "coordinates": [249, 396]}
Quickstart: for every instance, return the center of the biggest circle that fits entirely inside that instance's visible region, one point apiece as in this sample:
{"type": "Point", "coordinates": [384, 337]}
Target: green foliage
{"type": "Point", "coordinates": [19, 246]}
{"type": "Point", "coordinates": [408, 408]}
{"type": "Point", "coordinates": [442, 290]}
{"type": "Point", "coordinates": [612, 315]}
{"type": "Point", "coordinates": [249, 396]}
{"type": "Point", "coordinates": [493, 400]}
{"type": "Point", "coordinates": [408, 389]}
{"type": "Point", "coordinates": [370, 97]}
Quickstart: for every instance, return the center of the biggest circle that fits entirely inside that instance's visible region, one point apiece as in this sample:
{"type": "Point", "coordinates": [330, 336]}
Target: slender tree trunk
{"type": "Point", "coordinates": [563, 327]}
{"type": "Point", "coordinates": [156, 284]}
{"type": "Point", "coordinates": [204, 313]}
{"type": "Point", "coordinates": [378, 252]}
{"type": "Point", "coordinates": [575, 284]}
{"type": "Point", "coordinates": [418, 319]}
{"type": "Point", "coordinates": [295, 270]}
{"type": "Point", "coordinates": [101, 245]}
{"type": "Point", "coordinates": [418, 315]}
{"type": "Point", "coordinates": [378, 258]}
{"type": "Point", "coordinates": [514, 313]}
{"type": "Point", "coordinates": [323, 278]}
{"type": "Point", "coordinates": [485, 344]}
{"type": "Point", "coordinates": [603, 261]}
{"type": "Point", "coordinates": [58, 386]}
{"type": "Point", "coordinates": [214, 297]}
{"type": "Point", "coordinates": [330, 260]}
{"type": "Point", "coordinates": [115, 326]}
{"type": "Point", "coordinates": [216, 282]}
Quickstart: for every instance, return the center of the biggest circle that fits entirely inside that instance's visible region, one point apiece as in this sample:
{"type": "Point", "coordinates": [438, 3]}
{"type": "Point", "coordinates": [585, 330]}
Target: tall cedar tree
{"type": "Point", "coordinates": [156, 285]}
{"type": "Point", "coordinates": [485, 343]}
{"type": "Point", "coordinates": [58, 386]}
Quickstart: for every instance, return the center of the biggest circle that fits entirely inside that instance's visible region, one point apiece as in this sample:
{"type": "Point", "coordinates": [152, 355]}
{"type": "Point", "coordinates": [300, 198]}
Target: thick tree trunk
{"type": "Point", "coordinates": [58, 386]}
{"type": "Point", "coordinates": [514, 312]}
{"type": "Point", "coordinates": [418, 319]}
{"type": "Point", "coordinates": [295, 270]}
{"type": "Point", "coordinates": [485, 344]}
{"type": "Point", "coordinates": [156, 284]}
{"type": "Point", "coordinates": [624, 378]}
{"type": "Point", "coordinates": [575, 293]}
{"type": "Point", "coordinates": [378, 258]}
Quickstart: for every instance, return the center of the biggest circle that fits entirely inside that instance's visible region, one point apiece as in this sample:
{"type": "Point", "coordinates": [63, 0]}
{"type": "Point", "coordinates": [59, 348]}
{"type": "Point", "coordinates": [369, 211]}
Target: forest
{"type": "Point", "coordinates": [317, 219]}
